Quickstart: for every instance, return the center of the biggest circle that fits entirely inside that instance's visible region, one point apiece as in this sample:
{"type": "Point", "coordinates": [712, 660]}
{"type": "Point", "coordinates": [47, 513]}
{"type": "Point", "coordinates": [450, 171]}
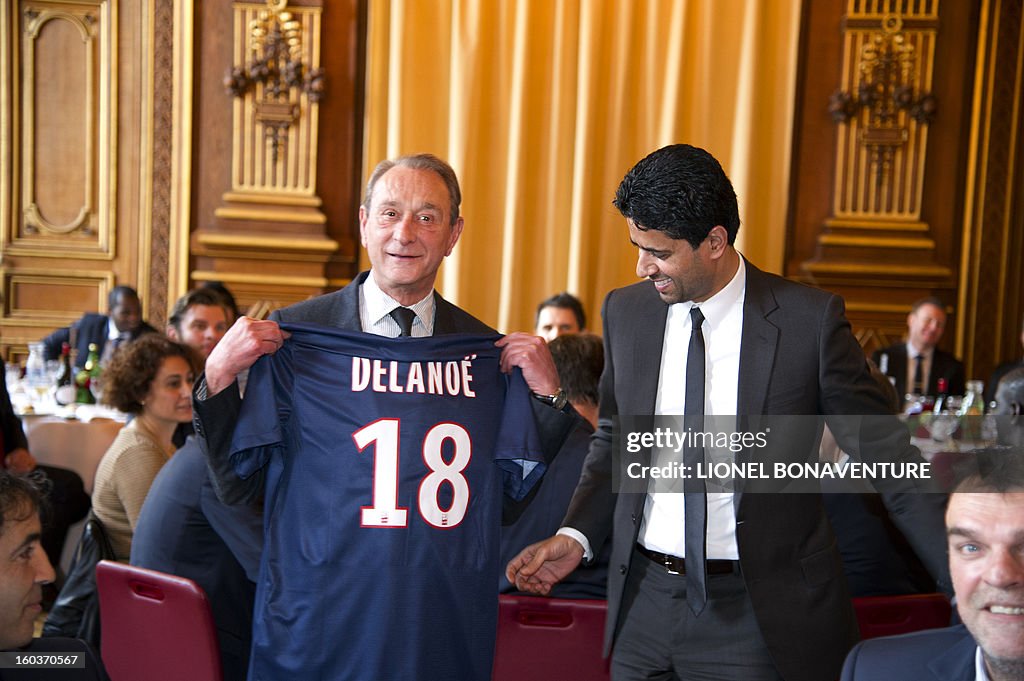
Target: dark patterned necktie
{"type": "Point", "coordinates": [404, 317]}
{"type": "Point", "coordinates": [695, 497]}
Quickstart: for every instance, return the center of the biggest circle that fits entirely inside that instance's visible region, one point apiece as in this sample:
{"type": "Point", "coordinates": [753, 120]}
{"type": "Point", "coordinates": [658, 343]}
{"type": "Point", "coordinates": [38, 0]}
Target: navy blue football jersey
{"type": "Point", "coordinates": [386, 461]}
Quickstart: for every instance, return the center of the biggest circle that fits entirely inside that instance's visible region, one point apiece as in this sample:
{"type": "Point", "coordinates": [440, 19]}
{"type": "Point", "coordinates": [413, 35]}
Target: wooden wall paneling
{"type": "Point", "coordinates": [75, 180]}
{"type": "Point", "coordinates": [277, 228]}
{"type": "Point", "coordinates": [992, 274]}
{"type": "Point", "coordinates": [876, 202]}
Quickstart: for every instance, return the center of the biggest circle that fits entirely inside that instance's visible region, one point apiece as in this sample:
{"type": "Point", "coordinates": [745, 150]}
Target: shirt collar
{"type": "Point", "coordinates": [112, 332]}
{"type": "Point", "coordinates": [980, 673]}
{"type": "Point", "coordinates": [717, 306]}
{"type": "Point", "coordinates": [913, 352]}
{"type": "Point", "coordinates": [380, 304]}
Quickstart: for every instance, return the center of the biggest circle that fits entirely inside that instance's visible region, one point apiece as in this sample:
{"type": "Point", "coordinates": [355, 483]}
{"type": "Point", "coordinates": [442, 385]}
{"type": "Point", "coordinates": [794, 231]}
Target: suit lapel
{"type": "Point", "coordinates": [957, 663]}
{"type": "Point", "coordinates": [758, 344]}
{"type": "Point", "coordinates": [646, 366]}
{"type": "Point", "coordinates": [346, 306]}
{"type": "Point", "coordinates": [444, 320]}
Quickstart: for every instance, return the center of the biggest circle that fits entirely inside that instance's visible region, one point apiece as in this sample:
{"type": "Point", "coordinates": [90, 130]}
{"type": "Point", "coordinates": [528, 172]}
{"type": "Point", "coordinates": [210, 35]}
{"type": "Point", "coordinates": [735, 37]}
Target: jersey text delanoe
{"type": "Point", "coordinates": [386, 462]}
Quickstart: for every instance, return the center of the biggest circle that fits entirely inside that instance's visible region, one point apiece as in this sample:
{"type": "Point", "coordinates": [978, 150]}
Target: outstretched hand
{"type": "Point", "coordinates": [540, 566]}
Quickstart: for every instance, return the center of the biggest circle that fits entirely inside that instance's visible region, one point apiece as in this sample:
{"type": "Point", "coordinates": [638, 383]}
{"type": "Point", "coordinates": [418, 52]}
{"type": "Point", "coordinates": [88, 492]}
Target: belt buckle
{"type": "Point", "coordinates": [667, 564]}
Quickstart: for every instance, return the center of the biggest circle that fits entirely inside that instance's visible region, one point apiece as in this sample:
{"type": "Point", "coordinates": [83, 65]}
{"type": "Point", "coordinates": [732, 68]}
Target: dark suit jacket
{"type": "Point", "coordinates": [932, 655]}
{"type": "Point", "coordinates": [91, 328]}
{"type": "Point", "coordinates": [185, 530]}
{"type": "Point", "coordinates": [797, 357]}
{"type": "Point", "coordinates": [216, 416]}
{"type": "Point", "coordinates": [944, 365]}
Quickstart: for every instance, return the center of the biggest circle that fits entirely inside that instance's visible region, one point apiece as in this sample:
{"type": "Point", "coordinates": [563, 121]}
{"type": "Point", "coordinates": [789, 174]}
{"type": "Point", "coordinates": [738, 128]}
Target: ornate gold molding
{"type": "Point", "coordinates": [268, 279]}
{"type": "Point", "coordinates": [267, 243]}
{"type": "Point", "coordinates": [892, 271]}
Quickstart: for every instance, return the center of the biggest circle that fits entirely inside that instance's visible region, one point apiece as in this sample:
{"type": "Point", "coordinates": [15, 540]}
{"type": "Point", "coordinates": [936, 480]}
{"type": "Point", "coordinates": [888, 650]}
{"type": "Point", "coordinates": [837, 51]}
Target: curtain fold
{"type": "Point", "coordinates": [541, 106]}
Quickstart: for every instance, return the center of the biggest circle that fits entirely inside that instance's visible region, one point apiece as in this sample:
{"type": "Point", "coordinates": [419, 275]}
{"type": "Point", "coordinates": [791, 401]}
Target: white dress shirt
{"type": "Point", "coordinates": [662, 529]}
{"type": "Point", "coordinates": [375, 308]}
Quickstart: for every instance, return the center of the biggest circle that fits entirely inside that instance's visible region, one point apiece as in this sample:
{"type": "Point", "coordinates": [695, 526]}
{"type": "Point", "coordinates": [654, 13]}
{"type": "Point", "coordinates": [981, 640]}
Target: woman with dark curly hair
{"type": "Point", "coordinates": [151, 379]}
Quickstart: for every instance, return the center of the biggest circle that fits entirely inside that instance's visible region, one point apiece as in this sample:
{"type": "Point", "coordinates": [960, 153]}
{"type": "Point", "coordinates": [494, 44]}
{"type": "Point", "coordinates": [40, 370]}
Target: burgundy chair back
{"type": "Point", "coordinates": [891, 615]}
{"type": "Point", "coordinates": [155, 626]}
{"type": "Point", "coordinates": [549, 639]}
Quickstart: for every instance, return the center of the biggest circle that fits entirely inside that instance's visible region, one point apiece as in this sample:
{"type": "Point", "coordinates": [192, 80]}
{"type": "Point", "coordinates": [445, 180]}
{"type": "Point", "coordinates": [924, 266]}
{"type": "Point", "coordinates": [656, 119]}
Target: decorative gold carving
{"type": "Point", "coordinates": [880, 152]}
{"type": "Point", "coordinates": [275, 136]}
{"type": "Point", "coordinates": [275, 62]}
{"type": "Point", "coordinates": [86, 205]}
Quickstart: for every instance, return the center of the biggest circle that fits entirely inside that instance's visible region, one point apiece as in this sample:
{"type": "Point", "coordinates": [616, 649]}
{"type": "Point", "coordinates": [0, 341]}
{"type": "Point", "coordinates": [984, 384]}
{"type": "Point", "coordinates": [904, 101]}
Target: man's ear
{"type": "Point", "coordinates": [171, 332]}
{"type": "Point", "coordinates": [718, 240]}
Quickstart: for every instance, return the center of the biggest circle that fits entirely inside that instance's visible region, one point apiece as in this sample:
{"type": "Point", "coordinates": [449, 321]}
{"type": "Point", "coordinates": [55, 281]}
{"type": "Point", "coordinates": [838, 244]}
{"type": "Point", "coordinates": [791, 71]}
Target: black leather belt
{"type": "Point", "coordinates": [677, 566]}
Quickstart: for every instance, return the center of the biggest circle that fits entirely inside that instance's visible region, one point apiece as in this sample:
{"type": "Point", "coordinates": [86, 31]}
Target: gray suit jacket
{"type": "Point", "coordinates": [932, 655]}
{"type": "Point", "coordinates": [215, 417]}
{"type": "Point", "coordinates": [797, 357]}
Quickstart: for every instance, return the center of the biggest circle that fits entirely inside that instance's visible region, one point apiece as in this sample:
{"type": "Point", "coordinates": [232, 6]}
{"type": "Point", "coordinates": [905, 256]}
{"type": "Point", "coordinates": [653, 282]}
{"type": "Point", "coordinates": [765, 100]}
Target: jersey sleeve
{"type": "Point", "coordinates": [265, 408]}
{"type": "Point", "coordinates": [518, 452]}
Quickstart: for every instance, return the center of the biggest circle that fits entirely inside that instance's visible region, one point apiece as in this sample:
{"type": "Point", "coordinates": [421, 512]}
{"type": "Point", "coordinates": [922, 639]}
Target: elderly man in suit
{"type": "Point", "coordinates": [917, 364]}
{"type": "Point", "coordinates": [747, 585]}
{"type": "Point", "coordinates": [985, 529]}
{"type": "Point", "coordinates": [409, 222]}
{"type": "Point", "coordinates": [123, 323]}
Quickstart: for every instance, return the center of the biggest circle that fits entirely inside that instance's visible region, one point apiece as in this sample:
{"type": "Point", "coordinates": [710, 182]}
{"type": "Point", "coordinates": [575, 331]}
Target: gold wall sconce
{"type": "Point", "coordinates": [887, 70]}
{"type": "Point", "coordinates": [274, 70]}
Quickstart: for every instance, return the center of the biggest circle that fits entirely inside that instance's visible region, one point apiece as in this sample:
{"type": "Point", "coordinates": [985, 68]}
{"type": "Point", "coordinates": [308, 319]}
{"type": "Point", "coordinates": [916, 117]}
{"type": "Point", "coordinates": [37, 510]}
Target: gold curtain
{"type": "Point", "coordinates": [541, 106]}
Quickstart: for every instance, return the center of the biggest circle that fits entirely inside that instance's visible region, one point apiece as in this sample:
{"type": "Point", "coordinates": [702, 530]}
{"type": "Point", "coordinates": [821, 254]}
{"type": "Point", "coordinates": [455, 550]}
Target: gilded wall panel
{"type": "Point", "coordinates": [63, 131]}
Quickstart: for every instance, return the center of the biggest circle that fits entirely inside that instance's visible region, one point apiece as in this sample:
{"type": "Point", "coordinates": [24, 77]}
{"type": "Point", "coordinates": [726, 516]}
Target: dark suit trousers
{"type": "Point", "coordinates": [661, 639]}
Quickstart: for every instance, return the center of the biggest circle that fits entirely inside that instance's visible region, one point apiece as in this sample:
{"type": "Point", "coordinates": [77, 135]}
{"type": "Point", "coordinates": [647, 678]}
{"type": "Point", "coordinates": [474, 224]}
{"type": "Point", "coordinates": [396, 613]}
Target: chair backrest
{"type": "Point", "coordinates": [891, 615]}
{"type": "Point", "coordinates": [554, 639]}
{"type": "Point", "coordinates": [73, 445]}
{"type": "Point", "coordinates": [155, 626]}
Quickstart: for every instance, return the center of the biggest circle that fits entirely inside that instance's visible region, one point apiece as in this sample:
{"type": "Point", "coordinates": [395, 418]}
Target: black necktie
{"type": "Point", "coordinates": [404, 317]}
{"type": "Point", "coordinates": [918, 388]}
{"type": "Point", "coordinates": [695, 497]}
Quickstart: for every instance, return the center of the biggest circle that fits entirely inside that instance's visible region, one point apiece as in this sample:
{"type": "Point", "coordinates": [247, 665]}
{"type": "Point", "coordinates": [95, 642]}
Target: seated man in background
{"type": "Point", "coordinates": [123, 323]}
{"type": "Point", "coordinates": [917, 364]}
{"type": "Point", "coordinates": [68, 502]}
{"type": "Point", "coordinates": [24, 569]}
{"type": "Point", "coordinates": [985, 529]}
{"type": "Point", "coordinates": [184, 530]}
{"type": "Point", "coordinates": [559, 315]}
{"type": "Point", "coordinates": [199, 319]}
{"type": "Point", "coordinates": [579, 359]}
